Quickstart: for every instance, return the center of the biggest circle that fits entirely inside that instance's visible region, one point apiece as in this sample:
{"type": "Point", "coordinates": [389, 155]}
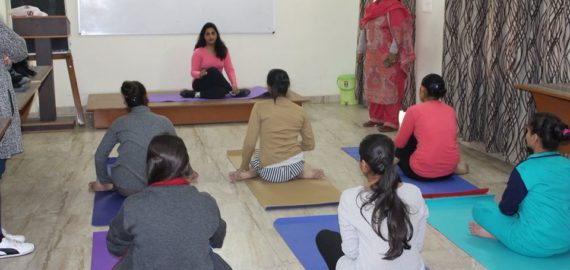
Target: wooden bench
{"type": "Point", "coordinates": [25, 99]}
{"type": "Point", "coordinates": [108, 107]}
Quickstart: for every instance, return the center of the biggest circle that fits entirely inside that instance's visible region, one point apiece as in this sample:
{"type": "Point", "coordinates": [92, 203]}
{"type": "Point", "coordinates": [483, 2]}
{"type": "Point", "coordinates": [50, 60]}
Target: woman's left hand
{"type": "Point", "coordinates": [235, 89]}
{"type": "Point", "coordinates": [391, 59]}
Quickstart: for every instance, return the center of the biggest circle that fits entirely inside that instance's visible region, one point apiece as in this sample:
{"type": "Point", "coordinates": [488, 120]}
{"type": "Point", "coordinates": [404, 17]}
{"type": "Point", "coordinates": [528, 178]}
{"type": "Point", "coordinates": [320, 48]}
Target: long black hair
{"type": "Point", "coordinates": [167, 158]}
{"type": "Point", "coordinates": [134, 93]}
{"type": "Point", "coordinates": [219, 47]}
{"type": "Point", "coordinates": [550, 129]}
{"type": "Point", "coordinates": [377, 150]}
{"type": "Point", "coordinates": [278, 82]}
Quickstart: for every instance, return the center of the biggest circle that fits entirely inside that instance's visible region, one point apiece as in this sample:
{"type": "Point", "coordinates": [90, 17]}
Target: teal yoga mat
{"type": "Point", "coordinates": [451, 217]}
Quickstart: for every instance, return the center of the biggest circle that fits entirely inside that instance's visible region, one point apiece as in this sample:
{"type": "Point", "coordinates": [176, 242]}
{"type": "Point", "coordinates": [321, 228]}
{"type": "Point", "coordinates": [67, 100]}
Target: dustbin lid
{"type": "Point", "coordinates": [346, 81]}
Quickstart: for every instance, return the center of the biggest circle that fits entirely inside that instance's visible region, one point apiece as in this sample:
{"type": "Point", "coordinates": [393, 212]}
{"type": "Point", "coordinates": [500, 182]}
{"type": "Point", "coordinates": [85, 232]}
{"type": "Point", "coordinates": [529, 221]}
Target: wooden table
{"type": "Point", "coordinates": [552, 98]}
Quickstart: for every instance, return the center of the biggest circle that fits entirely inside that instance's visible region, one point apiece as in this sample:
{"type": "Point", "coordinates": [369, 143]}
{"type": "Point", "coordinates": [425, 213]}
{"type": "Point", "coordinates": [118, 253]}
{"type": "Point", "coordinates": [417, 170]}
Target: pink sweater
{"type": "Point", "coordinates": [434, 126]}
{"type": "Point", "coordinates": [203, 59]}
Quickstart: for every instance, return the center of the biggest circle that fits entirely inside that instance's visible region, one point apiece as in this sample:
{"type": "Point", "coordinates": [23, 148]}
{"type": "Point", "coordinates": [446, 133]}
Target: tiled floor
{"type": "Point", "coordinates": [45, 197]}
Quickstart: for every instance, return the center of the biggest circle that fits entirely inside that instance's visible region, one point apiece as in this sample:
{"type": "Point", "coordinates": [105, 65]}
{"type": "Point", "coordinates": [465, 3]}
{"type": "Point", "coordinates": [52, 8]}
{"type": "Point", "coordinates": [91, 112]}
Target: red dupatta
{"type": "Point", "coordinates": [380, 8]}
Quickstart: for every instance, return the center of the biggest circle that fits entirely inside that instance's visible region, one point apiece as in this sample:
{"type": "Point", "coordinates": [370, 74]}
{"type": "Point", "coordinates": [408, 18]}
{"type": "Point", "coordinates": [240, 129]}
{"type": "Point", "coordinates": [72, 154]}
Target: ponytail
{"type": "Point", "coordinates": [278, 82]}
{"type": "Point", "coordinates": [377, 151]}
{"type": "Point", "coordinates": [550, 129]}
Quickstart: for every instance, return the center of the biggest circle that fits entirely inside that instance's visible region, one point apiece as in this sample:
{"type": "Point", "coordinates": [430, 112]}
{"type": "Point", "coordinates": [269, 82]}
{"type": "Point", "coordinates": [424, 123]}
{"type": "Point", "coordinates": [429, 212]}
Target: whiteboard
{"type": "Point", "coordinates": [162, 17]}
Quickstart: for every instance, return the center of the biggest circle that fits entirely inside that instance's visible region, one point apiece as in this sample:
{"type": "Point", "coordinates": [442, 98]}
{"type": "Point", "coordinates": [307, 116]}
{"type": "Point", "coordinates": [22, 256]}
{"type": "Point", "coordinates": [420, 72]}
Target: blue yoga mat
{"type": "Point", "coordinates": [101, 259]}
{"type": "Point", "coordinates": [299, 233]}
{"type": "Point", "coordinates": [451, 217]}
{"type": "Point", "coordinates": [105, 207]}
{"type": "Point", "coordinates": [106, 204]}
{"type": "Point", "coordinates": [454, 186]}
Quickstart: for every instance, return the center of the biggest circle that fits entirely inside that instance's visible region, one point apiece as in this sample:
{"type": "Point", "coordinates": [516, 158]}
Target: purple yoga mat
{"type": "Point", "coordinates": [101, 259]}
{"type": "Point", "coordinates": [175, 97]}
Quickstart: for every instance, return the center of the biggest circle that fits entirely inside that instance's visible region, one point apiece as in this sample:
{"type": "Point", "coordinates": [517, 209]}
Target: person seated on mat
{"type": "Point", "coordinates": [383, 222]}
{"type": "Point", "coordinates": [278, 122]}
{"type": "Point", "coordinates": [533, 217]}
{"type": "Point", "coordinates": [426, 144]}
{"type": "Point", "coordinates": [170, 224]}
{"type": "Point", "coordinates": [133, 133]}
{"type": "Point", "coordinates": [210, 57]}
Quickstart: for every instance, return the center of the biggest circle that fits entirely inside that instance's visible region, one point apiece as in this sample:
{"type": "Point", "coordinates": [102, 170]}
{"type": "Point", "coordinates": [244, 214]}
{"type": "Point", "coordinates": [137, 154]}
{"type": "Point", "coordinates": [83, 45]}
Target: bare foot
{"type": "Point", "coordinates": [242, 175]}
{"type": "Point", "coordinates": [311, 174]}
{"type": "Point", "coordinates": [462, 168]}
{"type": "Point", "coordinates": [477, 230]}
{"type": "Point", "coordinates": [98, 186]}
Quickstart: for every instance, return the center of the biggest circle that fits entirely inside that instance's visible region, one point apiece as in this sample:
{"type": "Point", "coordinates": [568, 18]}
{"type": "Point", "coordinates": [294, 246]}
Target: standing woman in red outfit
{"type": "Point", "coordinates": [386, 41]}
{"type": "Point", "coordinates": [210, 57]}
{"type": "Point", "coordinates": [427, 141]}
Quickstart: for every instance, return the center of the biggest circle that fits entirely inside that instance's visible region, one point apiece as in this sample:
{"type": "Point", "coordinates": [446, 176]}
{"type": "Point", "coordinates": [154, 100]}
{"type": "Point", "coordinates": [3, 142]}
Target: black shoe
{"type": "Point", "coordinates": [243, 93]}
{"type": "Point", "coordinates": [185, 93]}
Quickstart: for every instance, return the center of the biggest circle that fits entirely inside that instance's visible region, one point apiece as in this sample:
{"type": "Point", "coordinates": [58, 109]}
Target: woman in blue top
{"type": "Point", "coordinates": [533, 217]}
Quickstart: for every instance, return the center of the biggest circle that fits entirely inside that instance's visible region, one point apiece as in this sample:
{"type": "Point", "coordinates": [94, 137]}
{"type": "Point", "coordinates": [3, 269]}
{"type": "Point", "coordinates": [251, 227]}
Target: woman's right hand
{"type": "Point", "coordinates": [203, 73]}
{"type": "Point", "coordinates": [359, 58]}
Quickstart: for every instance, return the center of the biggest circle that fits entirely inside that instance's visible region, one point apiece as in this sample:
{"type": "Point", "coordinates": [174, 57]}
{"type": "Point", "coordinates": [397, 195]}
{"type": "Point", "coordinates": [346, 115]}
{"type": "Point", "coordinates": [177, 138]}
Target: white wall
{"type": "Point", "coordinates": [429, 38]}
{"type": "Point", "coordinates": [315, 41]}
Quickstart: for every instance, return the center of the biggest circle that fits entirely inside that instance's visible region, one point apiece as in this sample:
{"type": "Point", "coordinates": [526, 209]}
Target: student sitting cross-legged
{"type": "Point", "coordinates": [383, 222]}
{"type": "Point", "coordinates": [426, 143]}
{"type": "Point", "coordinates": [533, 217]}
{"type": "Point", "coordinates": [278, 123]}
{"type": "Point", "coordinates": [170, 224]}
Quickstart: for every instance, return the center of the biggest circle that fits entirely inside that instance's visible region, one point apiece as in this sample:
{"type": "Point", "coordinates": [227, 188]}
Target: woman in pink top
{"type": "Point", "coordinates": [427, 140]}
{"type": "Point", "coordinates": [210, 57]}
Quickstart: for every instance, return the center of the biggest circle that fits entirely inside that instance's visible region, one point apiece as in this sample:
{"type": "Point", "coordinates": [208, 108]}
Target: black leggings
{"type": "Point", "coordinates": [404, 155]}
{"type": "Point", "coordinates": [329, 245]}
{"type": "Point", "coordinates": [213, 85]}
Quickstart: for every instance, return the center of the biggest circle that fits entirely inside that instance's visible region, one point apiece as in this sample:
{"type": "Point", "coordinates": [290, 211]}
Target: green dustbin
{"type": "Point", "coordinates": [346, 83]}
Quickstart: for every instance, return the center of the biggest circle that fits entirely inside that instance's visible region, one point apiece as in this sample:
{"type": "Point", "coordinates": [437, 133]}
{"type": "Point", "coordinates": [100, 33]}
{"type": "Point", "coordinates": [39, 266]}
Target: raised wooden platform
{"type": "Point", "coordinates": [108, 107]}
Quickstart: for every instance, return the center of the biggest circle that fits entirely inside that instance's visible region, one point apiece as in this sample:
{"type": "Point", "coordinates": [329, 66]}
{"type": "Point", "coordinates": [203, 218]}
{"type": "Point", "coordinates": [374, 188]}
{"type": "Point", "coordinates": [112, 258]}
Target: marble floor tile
{"type": "Point", "coordinates": [45, 197]}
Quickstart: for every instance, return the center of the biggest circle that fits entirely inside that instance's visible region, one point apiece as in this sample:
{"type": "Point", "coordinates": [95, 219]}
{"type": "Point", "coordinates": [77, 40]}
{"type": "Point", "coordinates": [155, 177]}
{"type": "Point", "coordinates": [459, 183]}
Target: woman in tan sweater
{"type": "Point", "coordinates": [277, 123]}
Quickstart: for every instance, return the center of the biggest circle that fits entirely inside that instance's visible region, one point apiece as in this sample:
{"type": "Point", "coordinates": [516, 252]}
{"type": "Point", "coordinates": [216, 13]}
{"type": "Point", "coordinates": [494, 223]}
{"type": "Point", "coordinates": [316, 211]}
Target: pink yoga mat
{"type": "Point", "coordinates": [175, 97]}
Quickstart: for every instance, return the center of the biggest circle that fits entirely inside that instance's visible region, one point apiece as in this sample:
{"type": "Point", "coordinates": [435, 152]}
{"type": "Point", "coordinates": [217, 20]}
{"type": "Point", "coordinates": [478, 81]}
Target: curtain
{"type": "Point", "coordinates": [410, 91]}
{"type": "Point", "coordinates": [488, 47]}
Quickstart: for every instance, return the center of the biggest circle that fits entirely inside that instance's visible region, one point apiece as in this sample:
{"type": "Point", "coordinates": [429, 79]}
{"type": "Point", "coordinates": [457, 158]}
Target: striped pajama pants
{"type": "Point", "coordinates": [279, 174]}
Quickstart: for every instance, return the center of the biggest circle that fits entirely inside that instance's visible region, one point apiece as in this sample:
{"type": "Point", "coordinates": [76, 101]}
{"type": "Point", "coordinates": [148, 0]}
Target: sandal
{"type": "Point", "coordinates": [387, 129]}
{"type": "Point", "coordinates": [372, 124]}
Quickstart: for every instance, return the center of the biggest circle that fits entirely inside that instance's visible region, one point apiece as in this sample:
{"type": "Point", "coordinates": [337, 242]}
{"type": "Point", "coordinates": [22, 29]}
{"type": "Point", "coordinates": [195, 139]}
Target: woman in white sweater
{"type": "Point", "coordinates": [382, 223]}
